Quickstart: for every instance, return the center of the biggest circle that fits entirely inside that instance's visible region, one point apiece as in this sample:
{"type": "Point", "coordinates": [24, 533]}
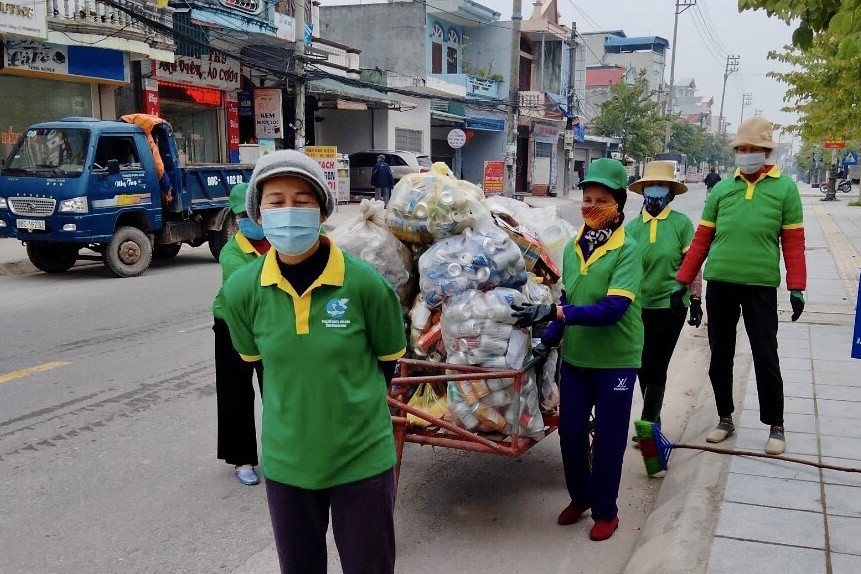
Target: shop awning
{"type": "Point", "coordinates": [559, 101]}
{"type": "Point", "coordinates": [333, 86]}
{"type": "Point", "coordinates": [484, 119]}
{"type": "Point", "coordinates": [451, 112]}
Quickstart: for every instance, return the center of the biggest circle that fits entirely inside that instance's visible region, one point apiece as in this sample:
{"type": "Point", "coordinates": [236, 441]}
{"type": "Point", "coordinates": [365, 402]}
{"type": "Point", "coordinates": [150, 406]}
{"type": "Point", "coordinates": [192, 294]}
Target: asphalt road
{"type": "Point", "coordinates": [107, 446]}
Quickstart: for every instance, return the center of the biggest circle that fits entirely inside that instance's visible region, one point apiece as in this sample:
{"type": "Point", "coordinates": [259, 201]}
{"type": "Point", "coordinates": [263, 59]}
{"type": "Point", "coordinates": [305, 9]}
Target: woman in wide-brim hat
{"type": "Point", "coordinates": [664, 236]}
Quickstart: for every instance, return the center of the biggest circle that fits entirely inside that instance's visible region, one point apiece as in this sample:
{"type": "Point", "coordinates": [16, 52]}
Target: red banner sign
{"type": "Point", "coordinates": [231, 109]}
{"type": "Point", "coordinates": [151, 103]}
{"type": "Point", "coordinates": [494, 177]}
{"type": "Point", "coordinates": [834, 144]}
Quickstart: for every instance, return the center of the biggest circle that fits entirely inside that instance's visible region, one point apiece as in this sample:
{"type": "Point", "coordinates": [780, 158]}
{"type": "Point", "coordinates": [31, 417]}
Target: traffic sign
{"type": "Point", "coordinates": [834, 144]}
{"type": "Point", "coordinates": [850, 158]}
{"type": "Point", "coordinates": [456, 138]}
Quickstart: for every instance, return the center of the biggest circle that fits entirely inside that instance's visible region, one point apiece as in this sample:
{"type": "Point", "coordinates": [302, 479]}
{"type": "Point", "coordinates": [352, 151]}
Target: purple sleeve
{"type": "Point", "coordinates": [606, 312]}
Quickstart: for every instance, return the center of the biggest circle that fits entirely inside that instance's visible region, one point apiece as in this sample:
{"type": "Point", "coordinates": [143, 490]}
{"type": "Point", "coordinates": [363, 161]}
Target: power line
{"type": "Point", "coordinates": [718, 59]}
{"type": "Point", "coordinates": [586, 17]}
{"type": "Point", "coordinates": [708, 18]}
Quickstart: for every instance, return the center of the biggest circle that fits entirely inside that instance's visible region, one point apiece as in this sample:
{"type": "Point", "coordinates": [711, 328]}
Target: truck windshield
{"type": "Point", "coordinates": [49, 153]}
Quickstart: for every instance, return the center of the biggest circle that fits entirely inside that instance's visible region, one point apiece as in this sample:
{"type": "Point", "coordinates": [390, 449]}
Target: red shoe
{"type": "Point", "coordinates": [571, 514]}
{"type": "Point", "coordinates": [604, 529]}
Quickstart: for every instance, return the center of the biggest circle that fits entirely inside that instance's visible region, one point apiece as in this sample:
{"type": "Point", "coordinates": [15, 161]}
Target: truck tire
{"type": "Point", "coordinates": [219, 238]}
{"type": "Point", "coordinates": [166, 251]}
{"type": "Point", "coordinates": [52, 257]}
{"type": "Point", "coordinates": [129, 253]}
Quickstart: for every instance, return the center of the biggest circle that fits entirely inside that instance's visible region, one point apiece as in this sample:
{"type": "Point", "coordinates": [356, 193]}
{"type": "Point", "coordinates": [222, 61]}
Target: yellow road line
{"type": "Point", "coordinates": [29, 371]}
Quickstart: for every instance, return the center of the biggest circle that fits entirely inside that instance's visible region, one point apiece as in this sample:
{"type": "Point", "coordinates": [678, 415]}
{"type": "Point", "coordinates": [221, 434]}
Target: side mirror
{"type": "Point", "coordinates": [113, 166]}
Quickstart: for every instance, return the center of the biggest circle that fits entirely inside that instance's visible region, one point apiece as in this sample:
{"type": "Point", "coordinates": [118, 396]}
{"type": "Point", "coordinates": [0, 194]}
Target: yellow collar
{"type": "Point", "coordinates": [647, 217]}
{"type": "Point", "coordinates": [773, 172]}
{"type": "Point", "coordinates": [333, 273]}
{"type": "Point", "coordinates": [617, 239]}
{"type": "Point", "coordinates": [245, 244]}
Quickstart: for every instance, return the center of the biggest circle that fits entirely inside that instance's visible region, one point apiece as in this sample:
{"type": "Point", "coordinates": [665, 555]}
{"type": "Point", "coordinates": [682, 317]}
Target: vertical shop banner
{"type": "Point", "coordinates": [326, 156]}
{"type": "Point", "coordinates": [231, 109]}
{"type": "Point", "coordinates": [856, 338]}
{"type": "Point", "coordinates": [152, 104]}
{"type": "Point", "coordinates": [246, 104]}
{"type": "Point", "coordinates": [494, 177]}
{"type": "Point", "coordinates": [24, 18]}
{"type": "Point", "coordinates": [268, 116]}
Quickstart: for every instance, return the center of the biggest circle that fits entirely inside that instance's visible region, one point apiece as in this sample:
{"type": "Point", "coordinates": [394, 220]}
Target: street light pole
{"type": "Point", "coordinates": [731, 66]}
{"type": "Point", "coordinates": [510, 184]}
{"type": "Point", "coordinates": [681, 6]}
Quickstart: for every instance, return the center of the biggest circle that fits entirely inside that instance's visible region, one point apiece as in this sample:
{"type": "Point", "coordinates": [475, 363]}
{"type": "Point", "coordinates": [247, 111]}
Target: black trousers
{"type": "Point", "coordinates": [362, 523]}
{"type": "Point", "coordinates": [661, 328]}
{"type": "Point", "coordinates": [234, 391]}
{"type": "Point", "coordinates": [758, 305]}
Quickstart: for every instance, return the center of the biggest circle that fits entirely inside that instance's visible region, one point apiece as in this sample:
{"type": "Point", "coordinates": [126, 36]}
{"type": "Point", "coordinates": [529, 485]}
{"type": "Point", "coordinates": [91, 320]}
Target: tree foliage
{"type": "Point", "coordinates": [840, 18]}
{"type": "Point", "coordinates": [700, 145]}
{"type": "Point", "coordinates": [633, 116]}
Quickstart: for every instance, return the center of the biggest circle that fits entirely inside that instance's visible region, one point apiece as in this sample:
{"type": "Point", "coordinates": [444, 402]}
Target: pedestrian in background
{"type": "Point", "coordinates": [329, 330]}
{"type": "Point", "coordinates": [382, 179]}
{"type": "Point", "coordinates": [745, 221]}
{"type": "Point", "coordinates": [664, 236]}
{"type": "Point", "coordinates": [234, 389]}
{"type": "Point", "coordinates": [711, 179]}
{"type": "Point", "coordinates": [600, 326]}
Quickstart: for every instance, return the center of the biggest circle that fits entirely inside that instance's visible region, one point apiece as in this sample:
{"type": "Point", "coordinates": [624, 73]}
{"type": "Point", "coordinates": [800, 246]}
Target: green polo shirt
{"type": "Point", "coordinates": [235, 253]}
{"type": "Point", "coordinates": [325, 419]}
{"type": "Point", "coordinates": [664, 239]}
{"type": "Point", "coordinates": [615, 268]}
{"type": "Point", "coordinates": [748, 219]}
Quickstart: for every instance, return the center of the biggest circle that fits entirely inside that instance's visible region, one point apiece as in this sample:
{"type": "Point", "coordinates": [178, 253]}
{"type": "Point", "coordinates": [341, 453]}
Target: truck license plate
{"type": "Point", "coordinates": [30, 224]}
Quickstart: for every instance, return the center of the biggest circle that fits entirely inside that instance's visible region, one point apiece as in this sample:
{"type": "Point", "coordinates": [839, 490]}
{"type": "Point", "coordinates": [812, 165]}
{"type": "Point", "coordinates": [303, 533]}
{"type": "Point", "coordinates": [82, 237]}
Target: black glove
{"type": "Point", "coordinates": [696, 313]}
{"type": "Point", "coordinates": [529, 314]}
{"type": "Point", "coordinates": [677, 298]}
{"type": "Point", "coordinates": [540, 353]}
{"type": "Point", "coordinates": [796, 299]}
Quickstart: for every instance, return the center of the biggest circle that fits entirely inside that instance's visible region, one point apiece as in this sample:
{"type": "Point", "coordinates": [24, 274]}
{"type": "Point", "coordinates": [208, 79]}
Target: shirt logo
{"type": "Point", "coordinates": [336, 307]}
{"type": "Point", "coordinates": [622, 385]}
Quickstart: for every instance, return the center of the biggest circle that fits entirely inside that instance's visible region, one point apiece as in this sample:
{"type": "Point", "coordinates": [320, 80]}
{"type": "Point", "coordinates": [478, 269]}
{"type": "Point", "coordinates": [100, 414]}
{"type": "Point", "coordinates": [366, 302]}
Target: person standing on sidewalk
{"type": "Point", "coordinates": [745, 221]}
{"type": "Point", "coordinates": [603, 341]}
{"type": "Point", "coordinates": [382, 179]}
{"type": "Point", "coordinates": [329, 330]}
{"type": "Point", "coordinates": [664, 236]}
{"type": "Point", "coordinates": [234, 391]}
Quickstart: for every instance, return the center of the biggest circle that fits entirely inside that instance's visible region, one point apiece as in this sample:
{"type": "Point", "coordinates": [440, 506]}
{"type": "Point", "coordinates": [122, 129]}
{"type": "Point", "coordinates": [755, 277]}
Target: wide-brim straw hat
{"type": "Point", "coordinates": [659, 172]}
{"type": "Point", "coordinates": [756, 131]}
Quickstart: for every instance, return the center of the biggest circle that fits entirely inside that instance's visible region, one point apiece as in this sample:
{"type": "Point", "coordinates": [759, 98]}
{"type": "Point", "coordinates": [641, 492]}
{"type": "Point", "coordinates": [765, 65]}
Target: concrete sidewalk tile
{"type": "Point", "coordinates": [734, 556]}
{"type": "Point", "coordinates": [833, 408]}
{"type": "Point", "coordinates": [845, 534]}
{"type": "Point", "coordinates": [793, 376]}
{"type": "Point", "coordinates": [848, 378]}
{"type": "Point", "coordinates": [838, 393]}
{"type": "Point", "coordinates": [786, 334]}
{"type": "Point", "coordinates": [797, 422]}
{"type": "Point", "coordinates": [845, 563]}
{"type": "Point", "coordinates": [841, 500]}
{"type": "Point", "coordinates": [774, 492]}
{"type": "Point", "coordinates": [792, 343]}
{"type": "Point", "coordinates": [830, 476]}
{"type": "Point", "coordinates": [785, 353]}
{"type": "Point", "coordinates": [822, 366]}
{"type": "Point", "coordinates": [801, 390]}
{"type": "Point", "coordinates": [779, 525]}
{"type": "Point", "coordinates": [841, 447]}
{"type": "Point", "coordinates": [796, 442]}
{"type": "Point", "coordinates": [836, 351]}
{"type": "Point", "coordinates": [775, 468]}
{"type": "Point", "coordinates": [839, 426]}
{"type": "Point", "coordinates": [796, 364]}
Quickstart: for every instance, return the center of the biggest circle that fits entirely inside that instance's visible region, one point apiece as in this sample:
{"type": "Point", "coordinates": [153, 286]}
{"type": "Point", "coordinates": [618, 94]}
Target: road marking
{"type": "Point", "coordinates": [29, 371]}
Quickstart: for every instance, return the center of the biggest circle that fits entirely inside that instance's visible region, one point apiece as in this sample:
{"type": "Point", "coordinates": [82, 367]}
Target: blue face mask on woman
{"type": "Point", "coordinates": [291, 230]}
{"type": "Point", "coordinates": [250, 229]}
{"type": "Point", "coordinates": [656, 198]}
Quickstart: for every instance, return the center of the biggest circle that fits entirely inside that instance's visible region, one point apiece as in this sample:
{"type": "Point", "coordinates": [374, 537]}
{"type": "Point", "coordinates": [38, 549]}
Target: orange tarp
{"type": "Point", "coordinates": [147, 123]}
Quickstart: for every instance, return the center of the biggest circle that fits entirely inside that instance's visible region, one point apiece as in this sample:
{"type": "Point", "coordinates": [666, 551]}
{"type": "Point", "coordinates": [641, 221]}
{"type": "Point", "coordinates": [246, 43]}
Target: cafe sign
{"type": "Point", "coordinates": [214, 70]}
{"type": "Point", "coordinates": [28, 18]}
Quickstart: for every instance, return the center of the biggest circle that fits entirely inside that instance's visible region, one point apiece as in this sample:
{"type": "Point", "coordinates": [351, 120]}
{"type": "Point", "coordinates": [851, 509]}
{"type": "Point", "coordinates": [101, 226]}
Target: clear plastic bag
{"type": "Point", "coordinates": [368, 238]}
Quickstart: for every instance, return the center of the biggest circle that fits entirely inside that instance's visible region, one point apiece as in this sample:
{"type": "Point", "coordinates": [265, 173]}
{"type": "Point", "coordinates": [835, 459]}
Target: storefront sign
{"type": "Point", "coordinates": [326, 156]}
{"type": "Point", "coordinates": [214, 70]}
{"type": "Point", "coordinates": [246, 104]}
{"type": "Point", "coordinates": [856, 338]}
{"type": "Point", "coordinates": [151, 102]}
{"type": "Point", "coordinates": [268, 116]}
{"type": "Point", "coordinates": [24, 18]}
{"type": "Point", "coordinates": [456, 138]}
{"type": "Point", "coordinates": [545, 133]}
{"type": "Point", "coordinates": [231, 110]}
{"type": "Point", "coordinates": [494, 177]}
{"type": "Point", "coordinates": [285, 26]}
{"type": "Point", "coordinates": [266, 145]}
{"type": "Point", "coordinates": [27, 58]}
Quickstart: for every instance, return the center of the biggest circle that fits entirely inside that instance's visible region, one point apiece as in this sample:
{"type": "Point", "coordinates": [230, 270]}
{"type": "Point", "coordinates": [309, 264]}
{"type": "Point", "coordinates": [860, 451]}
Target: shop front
{"type": "Point", "coordinates": [544, 157]}
{"type": "Point", "coordinates": [198, 96]}
{"type": "Point", "coordinates": [42, 82]}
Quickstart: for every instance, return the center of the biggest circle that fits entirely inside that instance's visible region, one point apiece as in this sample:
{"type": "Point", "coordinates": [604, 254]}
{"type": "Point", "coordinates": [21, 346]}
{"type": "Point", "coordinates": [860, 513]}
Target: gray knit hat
{"type": "Point", "coordinates": [287, 162]}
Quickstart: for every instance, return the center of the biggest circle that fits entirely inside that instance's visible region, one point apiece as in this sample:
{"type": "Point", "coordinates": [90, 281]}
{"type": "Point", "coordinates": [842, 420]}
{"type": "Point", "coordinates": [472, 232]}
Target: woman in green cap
{"type": "Point", "coordinates": [237, 435]}
{"type": "Point", "coordinates": [601, 331]}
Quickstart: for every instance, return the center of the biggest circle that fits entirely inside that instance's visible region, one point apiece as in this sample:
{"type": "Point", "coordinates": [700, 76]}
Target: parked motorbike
{"type": "Point", "coordinates": [844, 185]}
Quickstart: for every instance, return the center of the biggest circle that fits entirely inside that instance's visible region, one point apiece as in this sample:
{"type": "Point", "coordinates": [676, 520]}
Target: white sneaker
{"type": "Point", "coordinates": [722, 431]}
{"type": "Point", "coordinates": [776, 443]}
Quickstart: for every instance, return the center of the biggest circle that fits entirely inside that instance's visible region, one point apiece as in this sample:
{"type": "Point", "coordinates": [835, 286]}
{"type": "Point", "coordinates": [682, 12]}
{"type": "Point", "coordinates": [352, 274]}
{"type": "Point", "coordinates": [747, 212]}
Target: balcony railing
{"type": "Point", "coordinates": [475, 87]}
{"type": "Point", "coordinates": [98, 18]}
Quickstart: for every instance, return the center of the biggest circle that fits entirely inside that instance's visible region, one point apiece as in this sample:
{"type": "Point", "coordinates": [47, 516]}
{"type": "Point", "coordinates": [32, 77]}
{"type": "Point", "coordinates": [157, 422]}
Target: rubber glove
{"type": "Point", "coordinates": [541, 352]}
{"type": "Point", "coordinates": [796, 299]}
{"type": "Point", "coordinates": [677, 298]}
{"type": "Point", "coordinates": [696, 313]}
{"type": "Point", "coordinates": [529, 314]}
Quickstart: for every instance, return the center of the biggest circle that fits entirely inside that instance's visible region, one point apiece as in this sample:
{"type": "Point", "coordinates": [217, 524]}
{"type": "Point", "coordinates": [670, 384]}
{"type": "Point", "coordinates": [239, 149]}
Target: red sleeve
{"type": "Point", "coordinates": [696, 253]}
{"type": "Point", "coordinates": [792, 239]}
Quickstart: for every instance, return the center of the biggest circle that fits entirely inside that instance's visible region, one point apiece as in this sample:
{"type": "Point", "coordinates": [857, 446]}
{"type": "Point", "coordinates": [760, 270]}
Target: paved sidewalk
{"type": "Point", "coordinates": [779, 516]}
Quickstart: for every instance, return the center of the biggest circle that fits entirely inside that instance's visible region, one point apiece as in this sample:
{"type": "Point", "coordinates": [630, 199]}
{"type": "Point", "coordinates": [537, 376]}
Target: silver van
{"type": "Point", "coordinates": [401, 162]}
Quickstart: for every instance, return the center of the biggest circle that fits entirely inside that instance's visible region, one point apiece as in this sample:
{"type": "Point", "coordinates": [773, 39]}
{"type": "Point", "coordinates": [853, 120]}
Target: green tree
{"type": "Point", "coordinates": [633, 116]}
{"type": "Point", "coordinates": [690, 140]}
{"type": "Point", "coordinates": [717, 150]}
{"type": "Point", "coordinates": [840, 18]}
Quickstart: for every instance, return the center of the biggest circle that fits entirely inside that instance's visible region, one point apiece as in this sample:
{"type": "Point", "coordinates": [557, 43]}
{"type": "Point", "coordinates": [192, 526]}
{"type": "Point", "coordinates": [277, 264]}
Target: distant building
{"type": "Point", "coordinates": [599, 80]}
{"type": "Point", "coordinates": [642, 53]}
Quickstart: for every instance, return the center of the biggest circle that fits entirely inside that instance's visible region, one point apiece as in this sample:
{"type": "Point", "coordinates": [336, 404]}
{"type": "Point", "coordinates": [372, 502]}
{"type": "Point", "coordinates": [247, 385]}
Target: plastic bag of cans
{"type": "Point", "coordinates": [426, 332]}
{"type": "Point", "coordinates": [480, 259]}
{"type": "Point", "coordinates": [429, 206]}
{"type": "Point", "coordinates": [368, 238]}
{"type": "Point", "coordinates": [493, 406]}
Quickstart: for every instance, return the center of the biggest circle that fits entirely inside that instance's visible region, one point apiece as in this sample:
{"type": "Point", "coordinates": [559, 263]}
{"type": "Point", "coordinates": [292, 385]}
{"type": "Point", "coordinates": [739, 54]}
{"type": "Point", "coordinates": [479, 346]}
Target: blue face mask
{"type": "Point", "coordinates": [292, 230]}
{"type": "Point", "coordinates": [250, 229]}
{"type": "Point", "coordinates": [656, 198]}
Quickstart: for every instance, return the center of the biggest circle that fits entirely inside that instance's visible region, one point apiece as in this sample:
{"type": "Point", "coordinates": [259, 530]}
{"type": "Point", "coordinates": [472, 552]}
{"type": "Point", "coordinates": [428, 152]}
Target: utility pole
{"type": "Point", "coordinates": [746, 99]}
{"type": "Point", "coordinates": [758, 112]}
{"type": "Point", "coordinates": [731, 66]}
{"type": "Point", "coordinates": [681, 6]}
{"type": "Point", "coordinates": [299, 82]}
{"type": "Point", "coordinates": [513, 101]}
{"type": "Point", "coordinates": [569, 125]}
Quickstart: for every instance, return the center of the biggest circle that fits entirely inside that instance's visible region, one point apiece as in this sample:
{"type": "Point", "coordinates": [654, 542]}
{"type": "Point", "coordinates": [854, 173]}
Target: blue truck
{"type": "Point", "coordinates": [83, 188]}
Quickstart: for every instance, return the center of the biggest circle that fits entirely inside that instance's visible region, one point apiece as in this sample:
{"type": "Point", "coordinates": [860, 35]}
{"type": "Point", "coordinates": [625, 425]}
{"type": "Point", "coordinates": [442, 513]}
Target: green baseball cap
{"type": "Point", "coordinates": [237, 198]}
{"type": "Point", "coordinates": [608, 172]}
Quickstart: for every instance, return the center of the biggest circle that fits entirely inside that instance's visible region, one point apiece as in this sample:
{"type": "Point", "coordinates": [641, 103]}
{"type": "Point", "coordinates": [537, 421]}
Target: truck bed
{"type": "Point", "coordinates": [208, 185]}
